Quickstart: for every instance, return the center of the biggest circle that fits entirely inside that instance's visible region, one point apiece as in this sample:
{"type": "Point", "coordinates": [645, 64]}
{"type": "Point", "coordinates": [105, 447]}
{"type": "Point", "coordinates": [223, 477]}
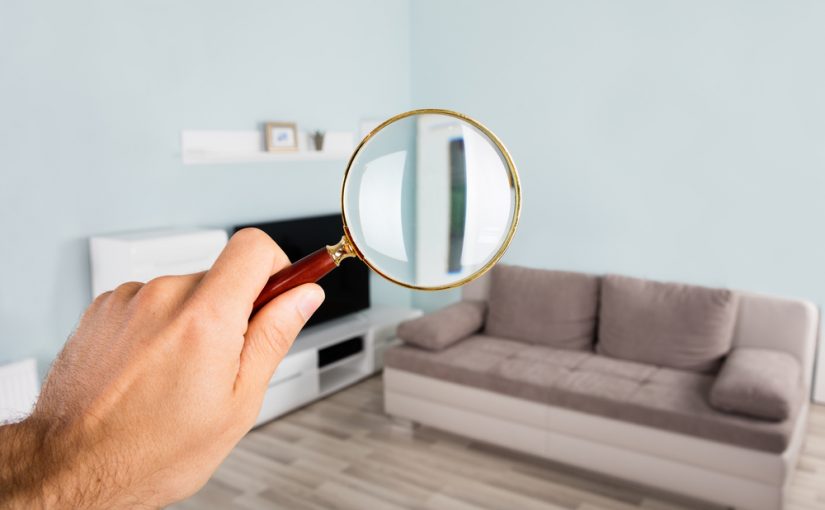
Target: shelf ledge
{"type": "Point", "coordinates": [218, 158]}
{"type": "Point", "coordinates": [228, 147]}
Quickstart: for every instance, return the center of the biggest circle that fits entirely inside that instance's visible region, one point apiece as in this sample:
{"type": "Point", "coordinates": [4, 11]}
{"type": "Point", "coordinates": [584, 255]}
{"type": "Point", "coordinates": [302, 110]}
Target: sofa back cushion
{"type": "Point", "coordinates": [673, 325]}
{"type": "Point", "coordinates": [553, 308]}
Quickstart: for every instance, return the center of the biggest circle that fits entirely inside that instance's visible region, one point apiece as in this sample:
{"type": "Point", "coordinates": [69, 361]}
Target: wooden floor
{"type": "Point", "coordinates": [343, 452]}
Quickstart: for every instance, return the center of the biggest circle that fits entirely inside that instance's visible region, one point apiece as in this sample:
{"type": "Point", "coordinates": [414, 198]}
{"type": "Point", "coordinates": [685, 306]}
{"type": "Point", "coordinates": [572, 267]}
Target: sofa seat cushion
{"type": "Point", "coordinates": [678, 400]}
{"type": "Point", "coordinates": [553, 308]}
{"type": "Point", "coordinates": [659, 397]}
{"type": "Point", "coordinates": [470, 361]}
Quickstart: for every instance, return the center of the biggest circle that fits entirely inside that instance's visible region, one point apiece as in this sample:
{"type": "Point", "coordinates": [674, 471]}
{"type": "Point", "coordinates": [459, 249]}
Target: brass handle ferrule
{"type": "Point", "coordinates": [342, 250]}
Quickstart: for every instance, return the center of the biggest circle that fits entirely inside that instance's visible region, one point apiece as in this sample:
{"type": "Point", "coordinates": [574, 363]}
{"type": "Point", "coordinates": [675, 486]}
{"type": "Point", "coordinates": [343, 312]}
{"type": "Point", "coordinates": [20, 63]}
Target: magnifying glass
{"type": "Point", "coordinates": [430, 201]}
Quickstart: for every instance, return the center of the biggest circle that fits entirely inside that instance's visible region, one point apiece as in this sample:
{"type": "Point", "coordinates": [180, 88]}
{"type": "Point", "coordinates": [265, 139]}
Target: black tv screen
{"type": "Point", "coordinates": [347, 288]}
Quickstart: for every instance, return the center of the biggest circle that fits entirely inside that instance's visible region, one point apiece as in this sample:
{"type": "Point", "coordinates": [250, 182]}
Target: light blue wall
{"type": "Point", "coordinates": [94, 94]}
{"type": "Point", "coordinates": [680, 141]}
{"type": "Point", "coordinates": [671, 140]}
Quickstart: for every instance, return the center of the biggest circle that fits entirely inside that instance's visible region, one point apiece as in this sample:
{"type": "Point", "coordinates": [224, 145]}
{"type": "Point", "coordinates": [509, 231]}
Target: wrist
{"type": "Point", "coordinates": [40, 467]}
{"type": "Point", "coordinates": [21, 464]}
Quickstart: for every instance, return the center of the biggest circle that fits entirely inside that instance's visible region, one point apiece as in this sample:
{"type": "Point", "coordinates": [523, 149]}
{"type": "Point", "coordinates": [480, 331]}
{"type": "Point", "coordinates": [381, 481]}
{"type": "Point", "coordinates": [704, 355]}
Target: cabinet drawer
{"type": "Point", "coordinates": [295, 364]}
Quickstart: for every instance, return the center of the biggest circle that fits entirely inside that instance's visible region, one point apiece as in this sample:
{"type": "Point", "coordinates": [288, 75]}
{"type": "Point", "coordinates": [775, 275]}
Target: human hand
{"type": "Point", "coordinates": [156, 386]}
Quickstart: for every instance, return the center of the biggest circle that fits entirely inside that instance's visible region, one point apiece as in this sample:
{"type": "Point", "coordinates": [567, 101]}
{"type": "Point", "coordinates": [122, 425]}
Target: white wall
{"type": "Point", "coordinates": [674, 140]}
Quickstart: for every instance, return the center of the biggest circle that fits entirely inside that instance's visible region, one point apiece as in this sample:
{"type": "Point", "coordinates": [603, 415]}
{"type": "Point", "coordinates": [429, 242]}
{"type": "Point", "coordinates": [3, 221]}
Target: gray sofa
{"type": "Point", "coordinates": [696, 390]}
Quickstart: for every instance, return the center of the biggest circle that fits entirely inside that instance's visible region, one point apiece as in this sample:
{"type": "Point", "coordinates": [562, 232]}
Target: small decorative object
{"type": "Point", "coordinates": [281, 136]}
{"type": "Point", "coordinates": [317, 137]}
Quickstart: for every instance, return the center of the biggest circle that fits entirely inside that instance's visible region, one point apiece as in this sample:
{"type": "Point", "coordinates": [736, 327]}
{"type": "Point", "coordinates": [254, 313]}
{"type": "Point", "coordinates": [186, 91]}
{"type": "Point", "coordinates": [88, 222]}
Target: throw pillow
{"type": "Point", "coordinates": [440, 329]}
{"type": "Point", "coordinates": [763, 383]}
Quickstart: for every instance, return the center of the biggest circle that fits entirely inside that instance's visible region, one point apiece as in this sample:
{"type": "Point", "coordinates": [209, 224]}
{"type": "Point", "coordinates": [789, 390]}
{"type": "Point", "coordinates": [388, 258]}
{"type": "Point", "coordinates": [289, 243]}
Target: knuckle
{"type": "Point", "coordinates": [126, 290]}
{"type": "Point", "coordinates": [101, 300]}
{"type": "Point", "coordinates": [116, 297]}
{"type": "Point", "coordinates": [161, 284]}
{"type": "Point", "coordinates": [157, 291]}
{"type": "Point", "coordinates": [252, 237]}
{"type": "Point", "coordinates": [258, 244]}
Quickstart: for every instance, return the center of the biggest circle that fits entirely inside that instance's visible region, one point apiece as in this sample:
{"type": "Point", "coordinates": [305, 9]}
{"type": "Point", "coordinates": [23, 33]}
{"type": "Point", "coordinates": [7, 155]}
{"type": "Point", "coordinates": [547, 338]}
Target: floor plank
{"type": "Point", "coordinates": [344, 452]}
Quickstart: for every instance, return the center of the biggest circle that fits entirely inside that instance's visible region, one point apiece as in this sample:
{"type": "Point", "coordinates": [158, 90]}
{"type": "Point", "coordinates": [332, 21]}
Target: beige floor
{"type": "Point", "coordinates": [343, 452]}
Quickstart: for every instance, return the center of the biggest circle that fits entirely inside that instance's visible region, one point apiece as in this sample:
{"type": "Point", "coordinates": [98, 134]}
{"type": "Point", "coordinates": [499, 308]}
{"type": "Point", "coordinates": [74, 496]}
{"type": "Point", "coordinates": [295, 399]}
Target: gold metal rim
{"type": "Point", "coordinates": [511, 167]}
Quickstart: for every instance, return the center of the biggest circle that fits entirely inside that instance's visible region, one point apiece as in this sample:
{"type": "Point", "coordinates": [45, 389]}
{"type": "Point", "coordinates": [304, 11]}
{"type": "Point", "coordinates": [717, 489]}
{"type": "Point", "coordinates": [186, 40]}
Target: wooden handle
{"type": "Point", "coordinates": [307, 270]}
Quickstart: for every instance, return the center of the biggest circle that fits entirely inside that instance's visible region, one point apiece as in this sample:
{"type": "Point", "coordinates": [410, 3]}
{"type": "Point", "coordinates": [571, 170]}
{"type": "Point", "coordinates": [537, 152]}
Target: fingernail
{"type": "Point", "coordinates": [309, 302]}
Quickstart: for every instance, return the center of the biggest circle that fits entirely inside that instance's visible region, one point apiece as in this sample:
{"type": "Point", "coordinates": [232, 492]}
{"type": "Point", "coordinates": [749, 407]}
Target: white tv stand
{"type": "Point", "coordinates": [331, 356]}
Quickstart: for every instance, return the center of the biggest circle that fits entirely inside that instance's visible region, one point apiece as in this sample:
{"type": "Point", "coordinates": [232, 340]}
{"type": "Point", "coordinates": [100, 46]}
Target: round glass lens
{"type": "Point", "coordinates": [430, 200]}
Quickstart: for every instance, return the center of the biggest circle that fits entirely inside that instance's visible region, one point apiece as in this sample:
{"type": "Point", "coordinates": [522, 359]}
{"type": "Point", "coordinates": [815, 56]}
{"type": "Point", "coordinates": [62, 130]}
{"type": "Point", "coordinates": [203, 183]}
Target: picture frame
{"type": "Point", "coordinates": [281, 136]}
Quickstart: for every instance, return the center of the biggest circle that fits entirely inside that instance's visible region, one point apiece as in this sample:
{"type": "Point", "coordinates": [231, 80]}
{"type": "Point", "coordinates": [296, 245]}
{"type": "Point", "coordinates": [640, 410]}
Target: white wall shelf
{"type": "Point", "coordinates": [238, 147]}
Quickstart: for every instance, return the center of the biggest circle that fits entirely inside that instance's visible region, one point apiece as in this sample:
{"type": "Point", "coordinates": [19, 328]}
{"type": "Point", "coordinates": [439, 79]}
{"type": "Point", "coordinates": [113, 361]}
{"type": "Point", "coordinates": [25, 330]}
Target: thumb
{"type": "Point", "coordinates": [272, 331]}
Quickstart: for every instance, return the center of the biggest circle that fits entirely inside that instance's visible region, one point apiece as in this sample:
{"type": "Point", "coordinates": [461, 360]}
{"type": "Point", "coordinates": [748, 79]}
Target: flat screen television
{"type": "Point", "coordinates": [347, 288]}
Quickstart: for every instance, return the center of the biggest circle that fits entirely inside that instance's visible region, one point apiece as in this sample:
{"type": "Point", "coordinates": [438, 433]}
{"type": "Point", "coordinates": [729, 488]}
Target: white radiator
{"type": "Point", "coordinates": [19, 387]}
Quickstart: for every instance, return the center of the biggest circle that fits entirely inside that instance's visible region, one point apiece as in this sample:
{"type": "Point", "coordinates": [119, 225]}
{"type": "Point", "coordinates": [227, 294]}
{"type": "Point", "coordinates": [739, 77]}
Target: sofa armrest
{"type": "Point", "coordinates": [762, 383]}
{"type": "Point", "coordinates": [440, 329]}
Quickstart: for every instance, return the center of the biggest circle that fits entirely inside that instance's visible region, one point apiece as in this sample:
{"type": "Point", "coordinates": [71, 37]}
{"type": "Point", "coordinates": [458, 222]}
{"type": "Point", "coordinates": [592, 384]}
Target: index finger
{"type": "Point", "coordinates": [239, 274]}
